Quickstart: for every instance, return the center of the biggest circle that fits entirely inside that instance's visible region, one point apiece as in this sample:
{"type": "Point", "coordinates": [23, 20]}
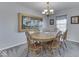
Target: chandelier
{"type": "Point", "coordinates": [48, 11]}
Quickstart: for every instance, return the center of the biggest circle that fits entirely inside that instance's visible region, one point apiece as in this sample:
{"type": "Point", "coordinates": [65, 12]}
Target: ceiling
{"type": "Point", "coordinates": [39, 6]}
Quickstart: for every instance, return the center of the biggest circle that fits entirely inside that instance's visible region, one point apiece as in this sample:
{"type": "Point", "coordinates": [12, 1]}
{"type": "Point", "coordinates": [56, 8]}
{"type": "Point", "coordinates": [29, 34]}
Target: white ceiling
{"type": "Point", "coordinates": [39, 6]}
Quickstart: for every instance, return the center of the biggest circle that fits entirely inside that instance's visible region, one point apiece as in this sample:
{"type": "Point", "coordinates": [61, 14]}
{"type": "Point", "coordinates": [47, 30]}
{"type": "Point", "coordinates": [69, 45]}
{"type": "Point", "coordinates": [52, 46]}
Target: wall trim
{"type": "Point", "coordinates": [13, 46]}
{"type": "Point", "coordinates": [73, 41]}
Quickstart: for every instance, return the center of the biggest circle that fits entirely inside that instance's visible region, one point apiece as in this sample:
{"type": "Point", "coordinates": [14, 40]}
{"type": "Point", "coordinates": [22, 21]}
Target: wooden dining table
{"type": "Point", "coordinates": [43, 36]}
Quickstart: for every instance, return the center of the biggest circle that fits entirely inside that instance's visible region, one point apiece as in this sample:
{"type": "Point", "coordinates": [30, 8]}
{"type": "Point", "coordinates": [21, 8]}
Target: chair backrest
{"type": "Point", "coordinates": [64, 35]}
{"type": "Point", "coordinates": [57, 39]}
{"type": "Point", "coordinates": [58, 35]}
{"type": "Point", "coordinates": [28, 37]}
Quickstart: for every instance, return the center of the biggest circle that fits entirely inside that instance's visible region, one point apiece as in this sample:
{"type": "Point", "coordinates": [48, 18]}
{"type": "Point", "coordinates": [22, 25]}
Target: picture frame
{"type": "Point", "coordinates": [51, 21]}
{"type": "Point", "coordinates": [24, 21]}
{"type": "Point", "coordinates": [75, 20]}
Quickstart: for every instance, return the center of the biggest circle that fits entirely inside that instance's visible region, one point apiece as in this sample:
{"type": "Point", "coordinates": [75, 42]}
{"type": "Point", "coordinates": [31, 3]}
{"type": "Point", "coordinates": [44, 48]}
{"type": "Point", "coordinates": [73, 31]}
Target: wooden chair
{"type": "Point", "coordinates": [54, 44]}
{"type": "Point", "coordinates": [64, 38]}
{"type": "Point", "coordinates": [33, 47]}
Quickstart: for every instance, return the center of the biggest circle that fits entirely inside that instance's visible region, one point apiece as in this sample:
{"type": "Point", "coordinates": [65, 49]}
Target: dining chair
{"type": "Point", "coordinates": [54, 44]}
{"type": "Point", "coordinates": [64, 38]}
{"type": "Point", "coordinates": [33, 47]}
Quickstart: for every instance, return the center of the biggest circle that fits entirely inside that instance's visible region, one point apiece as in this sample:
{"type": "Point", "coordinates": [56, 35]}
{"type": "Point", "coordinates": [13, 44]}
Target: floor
{"type": "Point", "coordinates": [72, 50]}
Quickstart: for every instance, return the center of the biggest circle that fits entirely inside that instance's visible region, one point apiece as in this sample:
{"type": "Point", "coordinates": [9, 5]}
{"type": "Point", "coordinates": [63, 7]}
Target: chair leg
{"type": "Point", "coordinates": [59, 52]}
{"type": "Point", "coordinates": [52, 52]}
{"type": "Point", "coordinates": [27, 53]}
{"type": "Point", "coordinates": [65, 44]}
{"type": "Point", "coordinates": [42, 52]}
{"type": "Point", "coordinates": [61, 45]}
{"type": "Point", "coordinates": [27, 50]}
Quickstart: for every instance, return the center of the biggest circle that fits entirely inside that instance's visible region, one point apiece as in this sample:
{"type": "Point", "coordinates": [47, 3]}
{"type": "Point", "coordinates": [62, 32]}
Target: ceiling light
{"type": "Point", "coordinates": [48, 11]}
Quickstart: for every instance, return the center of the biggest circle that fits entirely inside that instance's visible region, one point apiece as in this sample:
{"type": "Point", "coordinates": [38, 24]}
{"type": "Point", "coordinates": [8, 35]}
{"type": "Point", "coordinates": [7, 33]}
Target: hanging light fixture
{"type": "Point", "coordinates": [48, 11]}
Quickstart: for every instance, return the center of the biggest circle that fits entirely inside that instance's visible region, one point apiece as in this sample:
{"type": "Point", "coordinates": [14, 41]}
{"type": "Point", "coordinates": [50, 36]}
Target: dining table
{"type": "Point", "coordinates": [43, 36]}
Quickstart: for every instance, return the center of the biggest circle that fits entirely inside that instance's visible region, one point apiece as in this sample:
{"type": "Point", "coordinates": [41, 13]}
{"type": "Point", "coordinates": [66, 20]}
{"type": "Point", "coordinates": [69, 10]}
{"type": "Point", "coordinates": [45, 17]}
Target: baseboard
{"type": "Point", "coordinates": [73, 41]}
{"type": "Point", "coordinates": [13, 46]}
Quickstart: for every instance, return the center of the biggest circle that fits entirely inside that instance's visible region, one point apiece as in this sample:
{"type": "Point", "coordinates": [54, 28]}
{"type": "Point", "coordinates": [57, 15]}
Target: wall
{"type": "Point", "coordinates": [46, 24]}
{"type": "Point", "coordinates": [73, 29]}
{"type": "Point", "coordinates": [9, 35]}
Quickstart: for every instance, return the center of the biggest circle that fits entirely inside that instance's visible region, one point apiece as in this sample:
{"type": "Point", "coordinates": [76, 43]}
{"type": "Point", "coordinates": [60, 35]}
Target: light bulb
{"type": "Point", "coordinates": [43, 12]}
{"type": "Point", "coordinates": [51, 10]}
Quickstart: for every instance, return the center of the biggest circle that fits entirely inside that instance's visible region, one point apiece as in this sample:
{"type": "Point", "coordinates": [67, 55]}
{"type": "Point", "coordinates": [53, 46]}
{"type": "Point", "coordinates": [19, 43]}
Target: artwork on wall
{"type": "Point", "coordinates": [28, 22]}
{"type": "Point", "coordinates": [51, 21]}
{"type": "Point", "coordinates": [75, 20]}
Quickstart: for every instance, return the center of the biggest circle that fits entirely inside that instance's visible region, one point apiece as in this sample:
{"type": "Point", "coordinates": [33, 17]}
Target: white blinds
{"type": "Point", "coordinates": [61, 17]}
{"type": "Point", "coordinates": [61, 22]}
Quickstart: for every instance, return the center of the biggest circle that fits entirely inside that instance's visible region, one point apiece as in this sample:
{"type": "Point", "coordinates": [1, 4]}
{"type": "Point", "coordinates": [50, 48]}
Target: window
{"type": "Point", "coordinates": [61, 23]}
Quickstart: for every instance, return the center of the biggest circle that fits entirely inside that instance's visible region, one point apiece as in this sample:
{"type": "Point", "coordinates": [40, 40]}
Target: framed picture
{"type": "Point", "coordinates": [75, 20]}
{"type": "Point", "coordinates": [26, 21]}
{"type": "Point", "coordinates": [51, 21]}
